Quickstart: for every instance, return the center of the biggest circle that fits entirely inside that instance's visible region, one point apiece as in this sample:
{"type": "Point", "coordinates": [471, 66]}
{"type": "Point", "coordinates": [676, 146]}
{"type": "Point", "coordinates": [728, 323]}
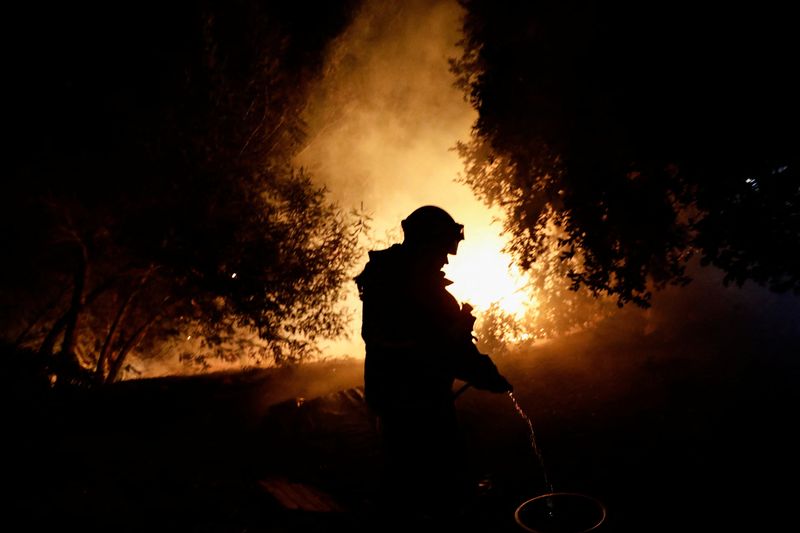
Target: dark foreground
{"type": "Point", "coordinates": [671, 434]}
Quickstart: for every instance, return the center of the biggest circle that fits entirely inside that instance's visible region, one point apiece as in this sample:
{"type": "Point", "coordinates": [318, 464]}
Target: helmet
{"type": "Point", "coordinates": [431, 226]}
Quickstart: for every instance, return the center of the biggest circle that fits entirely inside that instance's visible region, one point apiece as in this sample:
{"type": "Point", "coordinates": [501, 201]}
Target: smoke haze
{"type": "Point", "coordinates": [382, 123]}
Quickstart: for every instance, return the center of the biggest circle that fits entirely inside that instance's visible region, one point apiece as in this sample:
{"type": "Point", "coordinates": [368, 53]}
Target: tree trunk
{"type": "Point", "coordinates": [118, 319]}
{"type": "Point", "coordinates": [49, 341]}
{"type": "Point", "coordinates": [52, 336]}
{"type": "Point", "coordinates": [132, 343]}
{"type": "Point", "coordinates": [99, 371]}
{"type": "Point", "coordinates": [78, 300]}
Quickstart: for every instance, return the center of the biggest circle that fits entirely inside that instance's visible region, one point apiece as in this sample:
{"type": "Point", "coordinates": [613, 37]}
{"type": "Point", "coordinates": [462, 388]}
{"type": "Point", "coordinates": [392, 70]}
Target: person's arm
{"type": "Point", "coordinates": [469, 364]}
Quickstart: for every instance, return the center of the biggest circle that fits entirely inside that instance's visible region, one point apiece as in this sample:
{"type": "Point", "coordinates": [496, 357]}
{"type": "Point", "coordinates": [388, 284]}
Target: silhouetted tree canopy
{"type": "Point", "coordinates": [632, 135]}
{"type": "Point", "coordinates": [149, 195]}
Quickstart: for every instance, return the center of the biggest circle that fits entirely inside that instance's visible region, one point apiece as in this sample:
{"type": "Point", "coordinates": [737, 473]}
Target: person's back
{"type": "Point", "coordinates": [407, 311]}
{"type": "Point", "coordinates": [418, 341]}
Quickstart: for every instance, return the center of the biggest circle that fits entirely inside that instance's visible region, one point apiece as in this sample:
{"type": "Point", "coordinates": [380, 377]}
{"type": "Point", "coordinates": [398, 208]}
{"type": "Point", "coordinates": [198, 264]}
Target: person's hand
{"type": "Point", "coordinates": [485, 376]}
{"type": "Point", "coordinates": [500, 385]}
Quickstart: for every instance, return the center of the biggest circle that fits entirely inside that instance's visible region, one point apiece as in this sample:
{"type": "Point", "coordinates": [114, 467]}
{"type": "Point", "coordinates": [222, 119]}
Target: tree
{"type": "Point", "coordinates": [151, 193]}
{"type": "Point", "coordinates": [630, 137]}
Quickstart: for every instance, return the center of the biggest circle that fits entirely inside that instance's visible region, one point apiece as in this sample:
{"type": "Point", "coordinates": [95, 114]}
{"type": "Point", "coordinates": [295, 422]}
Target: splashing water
{"type": "Point", "coordinates": [533, 440]}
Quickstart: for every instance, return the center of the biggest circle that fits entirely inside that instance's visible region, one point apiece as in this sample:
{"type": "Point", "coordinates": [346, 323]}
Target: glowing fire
{"type": "Point", "coordinates": [482, 275]}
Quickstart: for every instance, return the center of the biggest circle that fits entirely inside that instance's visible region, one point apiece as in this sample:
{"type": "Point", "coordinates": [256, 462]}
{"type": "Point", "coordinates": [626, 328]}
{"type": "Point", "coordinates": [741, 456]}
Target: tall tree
{"type": "Point", "coordinates": [151, 182]}
{"type": "Point", "coordinates": [631, 136]}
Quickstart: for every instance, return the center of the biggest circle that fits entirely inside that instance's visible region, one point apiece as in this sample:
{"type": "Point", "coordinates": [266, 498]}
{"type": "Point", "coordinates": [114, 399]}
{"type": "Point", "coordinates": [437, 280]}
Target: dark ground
{"type": "Point", "coordinates": [690, 430]}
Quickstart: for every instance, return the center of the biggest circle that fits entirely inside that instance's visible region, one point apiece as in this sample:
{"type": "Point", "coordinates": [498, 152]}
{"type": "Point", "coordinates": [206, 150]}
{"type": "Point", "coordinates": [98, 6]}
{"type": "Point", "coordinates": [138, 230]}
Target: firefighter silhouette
{"type": "Point", "coordinates": [418, 341]}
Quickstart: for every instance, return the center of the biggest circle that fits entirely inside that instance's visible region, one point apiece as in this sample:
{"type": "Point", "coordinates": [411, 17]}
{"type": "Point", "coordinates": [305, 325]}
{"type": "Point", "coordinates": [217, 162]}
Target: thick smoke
{"type": "Point", "coordinates": [382, 124]}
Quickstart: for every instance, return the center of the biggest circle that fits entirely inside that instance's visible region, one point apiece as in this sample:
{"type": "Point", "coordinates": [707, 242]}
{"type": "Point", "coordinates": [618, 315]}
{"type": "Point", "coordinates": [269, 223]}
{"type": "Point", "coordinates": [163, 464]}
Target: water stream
{"type": "Point", "coordinates": [556, 512]}
{"type": "Point", "coordinates": [535, 447]}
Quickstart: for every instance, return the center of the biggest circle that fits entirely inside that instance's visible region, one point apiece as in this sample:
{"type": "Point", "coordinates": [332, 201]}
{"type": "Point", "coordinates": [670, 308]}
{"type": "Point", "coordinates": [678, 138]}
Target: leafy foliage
{"type": "Point", "coordinates": [630, 137]}
{"type": "Point", "coordinates": [152, 197]}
